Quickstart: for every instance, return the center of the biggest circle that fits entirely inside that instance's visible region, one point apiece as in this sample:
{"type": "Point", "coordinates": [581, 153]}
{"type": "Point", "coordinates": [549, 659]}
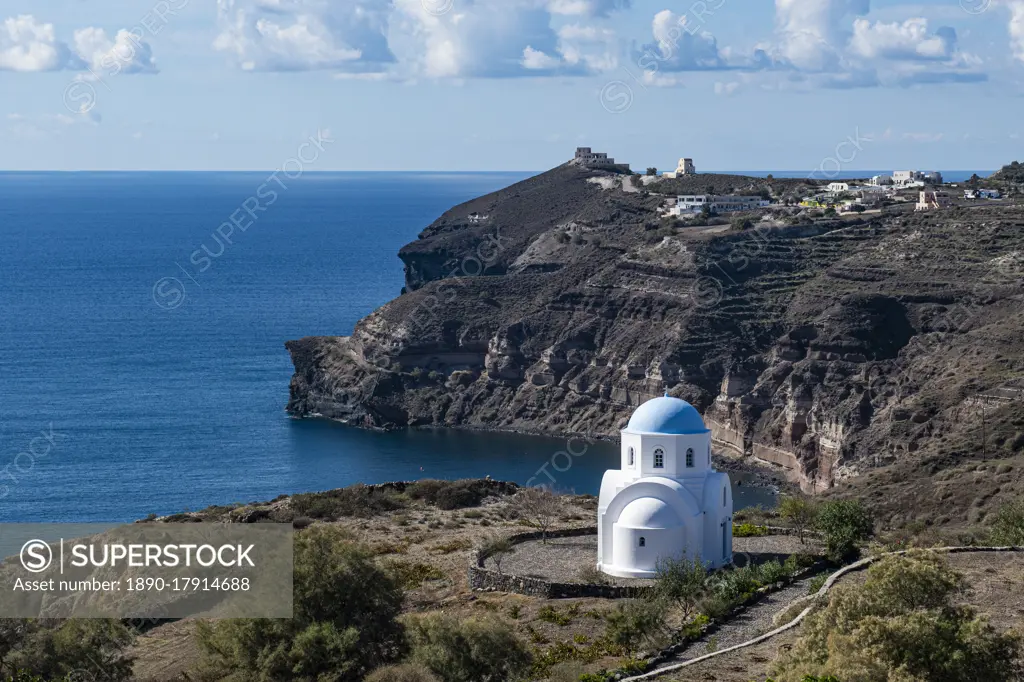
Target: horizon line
{"type": "Point", "coordinates": [322, 172]}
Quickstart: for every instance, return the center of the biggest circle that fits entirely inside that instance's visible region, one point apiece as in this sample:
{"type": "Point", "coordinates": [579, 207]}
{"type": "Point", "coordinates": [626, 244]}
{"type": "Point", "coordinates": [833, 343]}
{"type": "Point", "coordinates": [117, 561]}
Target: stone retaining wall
{"type": "Point", "coordinates": [485, 579]}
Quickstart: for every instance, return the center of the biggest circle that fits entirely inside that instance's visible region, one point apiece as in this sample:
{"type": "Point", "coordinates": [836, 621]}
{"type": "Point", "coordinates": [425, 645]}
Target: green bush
{"type": "Point", "coordinates": [344, 623]}
{"type": "Point", "coordinates": [715, 605]}
{"type": "Point", "coordinates": [549, 614]}
{"type": "Point", "coordinates": [771, 572]}
{"type": "Point", "coordinates": [737, 584]}
{"type": "Point", "coordinates": [358, 500]}
{"type": "Point", "coordinates": [902, 623]}
{"type": "Point", "coordinates": [1009, 525]}
{"type": "Point", "coordinates": [748, 530]}
{"type": "Point", "coordinates": [798, 511]}
{"type": "Point", "coordinates": [449, 494]}
{"type": "Point", "coordinates": [634, 624]}
{"type": "Point", "coordinates": [682, 583]}
{"type": "Point", "coordinates": [816, 583]}
{"type": "Point", "coordinates": [53, 650]}
{"type": "Point", "coordinates": [468, 649]}
{"type": "Point", "coordinates": [845, 524]}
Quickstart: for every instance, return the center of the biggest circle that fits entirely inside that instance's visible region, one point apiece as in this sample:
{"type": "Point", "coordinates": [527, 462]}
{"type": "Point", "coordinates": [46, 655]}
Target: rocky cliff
{"type": "Point", "coordinates": [559, 304]}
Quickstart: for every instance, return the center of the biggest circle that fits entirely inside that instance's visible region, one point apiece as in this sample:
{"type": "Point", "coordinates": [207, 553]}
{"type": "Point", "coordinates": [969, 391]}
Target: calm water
{"type": "Point", "coordinates": [115, 401]}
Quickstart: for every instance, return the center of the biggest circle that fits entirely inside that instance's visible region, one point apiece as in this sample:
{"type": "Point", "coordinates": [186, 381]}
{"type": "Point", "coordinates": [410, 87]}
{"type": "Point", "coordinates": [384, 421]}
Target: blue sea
{"type": "Point", "coordinates": [142, 359]}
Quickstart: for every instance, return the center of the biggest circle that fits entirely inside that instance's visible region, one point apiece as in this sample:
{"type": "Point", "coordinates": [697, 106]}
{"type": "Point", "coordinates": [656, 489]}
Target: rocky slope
{"type": "Point", "coordinates": [829, 348]}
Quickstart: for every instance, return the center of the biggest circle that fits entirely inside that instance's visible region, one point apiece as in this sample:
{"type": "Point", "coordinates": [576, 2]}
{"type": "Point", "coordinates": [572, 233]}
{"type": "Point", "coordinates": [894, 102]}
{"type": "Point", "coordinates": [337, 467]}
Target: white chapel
{"type": "Point", "coordinates": [665, 501]}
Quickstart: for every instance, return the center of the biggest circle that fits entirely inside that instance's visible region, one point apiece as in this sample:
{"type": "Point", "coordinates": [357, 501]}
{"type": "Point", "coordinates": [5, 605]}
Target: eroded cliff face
{"type": "Point", "coordinates": [559, 305]}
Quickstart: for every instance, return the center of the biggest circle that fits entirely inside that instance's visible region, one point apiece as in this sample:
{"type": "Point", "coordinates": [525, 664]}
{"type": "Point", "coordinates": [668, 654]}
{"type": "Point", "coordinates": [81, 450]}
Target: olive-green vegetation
{"type": "Point", "coordinates": [449, 494]}
{"type": "Point", "coordinates": [32, 649]}
{"type": "Point", "coordinates": [480, 649]}
{"type": "Point", "coordinates": [903, 624]}
{"type": "Point", "coordinates": [636, 623]}
{"type": "Point", "coordinates": [800, 512]}
{"type": "Point", "coordinates": [363, 501]}
{"type": "Point", "coordinates": [345, 621]}
{"type": "Point", "coordinates": [1009, 526]}
{"type": "Point", "coordinates": [692, 589]}
{"type": "Point", "coordinates": [358, 500]}
{"type": "Point", "coordinates": [681, 583]}
{"type": "Point", "coordinates": [696, 594]}
{"type": "Point", "coordinates": [748, 530]}
{"type": "Point", "coordinates": [844, 524]}
{"type": "Point", "coordinates": [496, 549]}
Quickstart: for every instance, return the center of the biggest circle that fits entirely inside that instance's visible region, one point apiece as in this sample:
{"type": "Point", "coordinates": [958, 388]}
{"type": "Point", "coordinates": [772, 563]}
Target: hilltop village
{"type": "Point", "coordinates": [925, 191]}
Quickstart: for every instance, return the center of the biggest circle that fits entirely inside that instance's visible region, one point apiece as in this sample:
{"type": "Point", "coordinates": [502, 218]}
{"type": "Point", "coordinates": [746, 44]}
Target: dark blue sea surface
{"type": "Point", "coordinates": [142, 360]}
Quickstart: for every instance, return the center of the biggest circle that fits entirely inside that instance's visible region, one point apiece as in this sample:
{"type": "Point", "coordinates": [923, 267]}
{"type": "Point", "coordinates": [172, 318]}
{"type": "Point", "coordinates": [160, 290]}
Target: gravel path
{"type": "Point", "coordinates": [753, 622]}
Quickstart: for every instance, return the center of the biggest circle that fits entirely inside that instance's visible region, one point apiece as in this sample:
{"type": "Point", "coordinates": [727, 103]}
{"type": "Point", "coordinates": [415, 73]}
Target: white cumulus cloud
{"type": "Point", "coordinates": [126, 53]}
{"type": "Point", "coordinates": [1016, 8]}
{"type": "Point", "coordinates": [588, 8]}
{"type": "Point", "coordinates": [28, 45]}
{"type": "Point", "coordinates": [419, 38]}
{"type": "Point", "coordinates": [300, 35]}
{"type": "Point", "coordinates": [813, 33]}
{"type": "Point", "coordinates": [909, 40]}
{"type": "Point", "coordinates": [679, 46]}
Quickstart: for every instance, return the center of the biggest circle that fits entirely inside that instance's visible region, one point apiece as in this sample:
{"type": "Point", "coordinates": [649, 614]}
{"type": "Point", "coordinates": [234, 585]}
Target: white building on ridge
{"type": "Point", "coordinates": [719, 203]}
{"type": "Point", "coordinates": [685, 167]}
{"type": "Point", "coordinates": [588, 158]}
{"type": "Point", "coordinates": [666, 501]}
{"type": "Point", "coordinates": [932, 199]}
{"type": "Point", "coordinates": [907, 177]}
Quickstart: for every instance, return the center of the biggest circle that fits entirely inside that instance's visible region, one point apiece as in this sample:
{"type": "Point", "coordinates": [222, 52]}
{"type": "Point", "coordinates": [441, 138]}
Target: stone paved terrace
{"type": "Point", "coordinates": [563, 559]}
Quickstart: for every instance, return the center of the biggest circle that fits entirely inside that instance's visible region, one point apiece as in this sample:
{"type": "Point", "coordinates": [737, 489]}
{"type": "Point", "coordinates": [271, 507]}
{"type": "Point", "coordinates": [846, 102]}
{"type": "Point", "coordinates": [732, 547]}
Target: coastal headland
{"type": "Point", "coordinates": [871, 353]}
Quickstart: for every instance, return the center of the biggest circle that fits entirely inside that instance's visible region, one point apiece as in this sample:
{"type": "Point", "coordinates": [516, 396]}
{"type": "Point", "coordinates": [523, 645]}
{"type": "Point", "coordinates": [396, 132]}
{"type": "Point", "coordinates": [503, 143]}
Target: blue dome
{"type": "Point", "coordinates": [666, 415]}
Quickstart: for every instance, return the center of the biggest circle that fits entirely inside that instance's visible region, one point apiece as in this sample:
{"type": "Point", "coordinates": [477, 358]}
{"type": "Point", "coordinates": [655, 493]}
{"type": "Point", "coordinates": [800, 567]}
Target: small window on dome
{"type": "Point", "coordinates": [643, 541]}
{"type": "Point", "coordinates": [659, 458]}
{"type": "Point", "coordinates": [632, 457]}
{"type": "Point", "coordinates": [689, 458]}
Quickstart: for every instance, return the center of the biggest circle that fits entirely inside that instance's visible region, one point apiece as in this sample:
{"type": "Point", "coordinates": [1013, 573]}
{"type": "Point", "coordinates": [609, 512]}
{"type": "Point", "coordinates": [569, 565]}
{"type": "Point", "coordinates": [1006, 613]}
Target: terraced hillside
{"type": "Point", "coordinates": [831, 348]}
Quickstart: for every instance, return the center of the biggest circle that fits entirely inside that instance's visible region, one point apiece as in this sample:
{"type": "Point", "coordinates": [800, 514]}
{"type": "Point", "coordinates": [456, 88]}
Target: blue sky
{"type": "Point", "coordinates": [510, 84]}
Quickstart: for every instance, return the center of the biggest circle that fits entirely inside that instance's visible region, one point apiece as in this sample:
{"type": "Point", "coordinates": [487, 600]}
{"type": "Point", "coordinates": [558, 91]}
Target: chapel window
{"type": "Point", "coordinates": [659, 459]}
{"type": "Point", "coordinates": [632, 456]}
{"type": "Point", "coordinates": [643, 541]}
{"type": "Point", "coordinates": [689, 458]}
